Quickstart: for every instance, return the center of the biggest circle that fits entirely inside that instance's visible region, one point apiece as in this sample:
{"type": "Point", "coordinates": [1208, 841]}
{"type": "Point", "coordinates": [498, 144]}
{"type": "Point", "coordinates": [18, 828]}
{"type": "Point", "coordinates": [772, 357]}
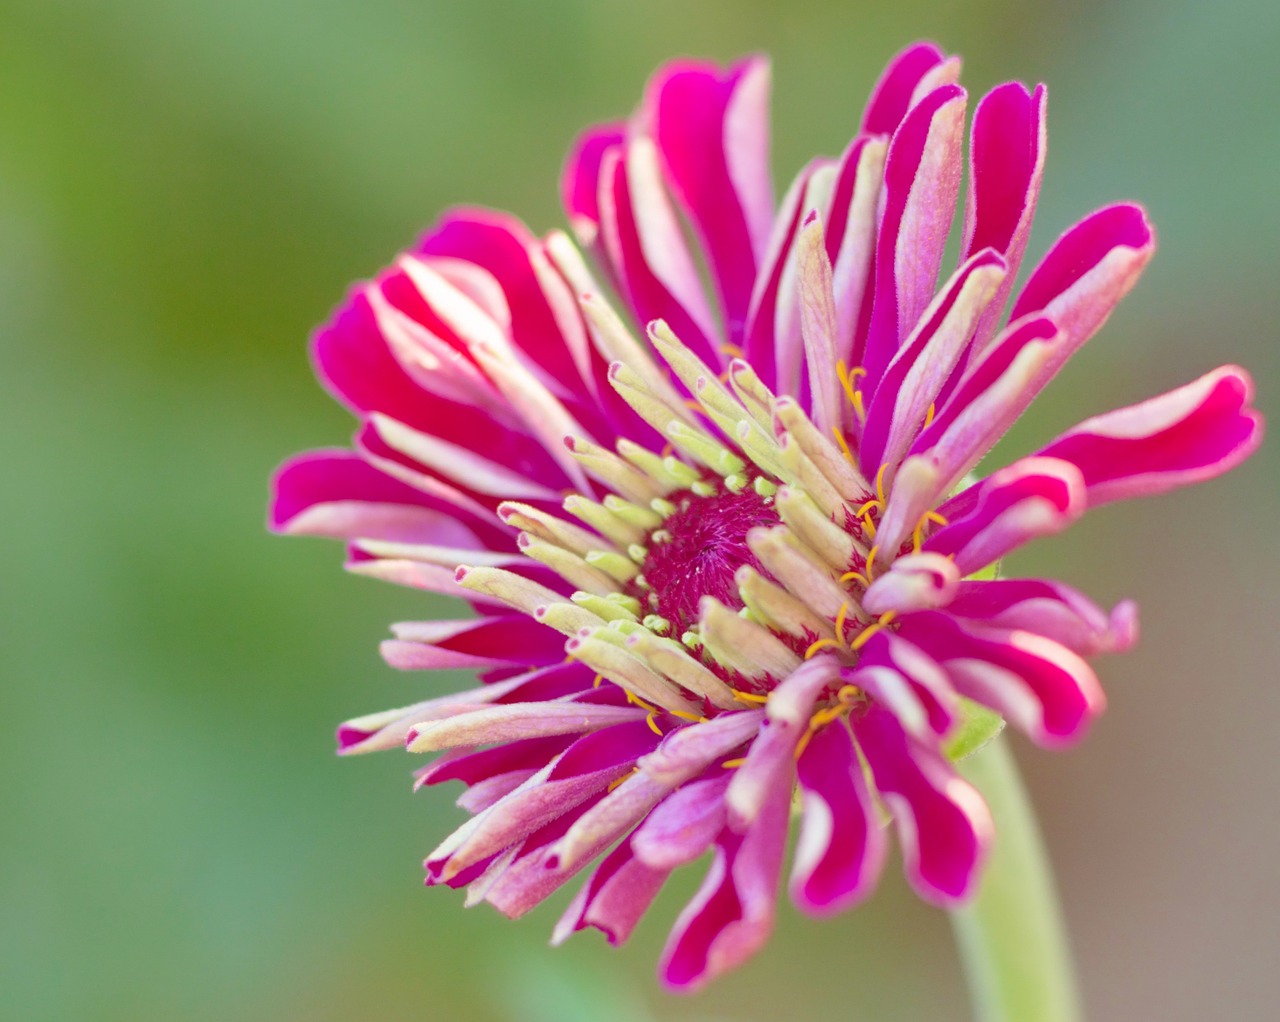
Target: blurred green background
{"type": "Point", "coordinates": [186, 188]}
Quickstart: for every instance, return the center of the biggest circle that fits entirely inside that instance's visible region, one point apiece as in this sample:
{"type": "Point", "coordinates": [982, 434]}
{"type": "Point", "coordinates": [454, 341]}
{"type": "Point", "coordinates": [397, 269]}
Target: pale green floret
{"type": "Point", "coordinates": [609, 608]}
{"type": "Point", "coordinates": [657, 624]}
{"type": "Point", "coordinates": [612, 564]}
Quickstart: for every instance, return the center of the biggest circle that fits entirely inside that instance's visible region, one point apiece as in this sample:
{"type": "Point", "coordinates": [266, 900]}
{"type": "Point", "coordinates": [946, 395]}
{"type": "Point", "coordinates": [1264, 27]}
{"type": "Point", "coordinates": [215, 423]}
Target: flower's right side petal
{"type": "Point", "coordinates": [1188, 435]}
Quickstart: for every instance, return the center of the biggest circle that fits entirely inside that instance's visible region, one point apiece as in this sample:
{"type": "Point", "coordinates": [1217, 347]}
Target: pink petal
{"type": "Point", "coordinates": [732, 914]}
{"type": "Point", "coordinates": [1037, 684]}
{"type": "Point", "coordinates": [1006, 163]}
{"type": "Point", "coordinates": [474, 643]}
{"type": "Point", "coordinates": [920, 581]}
{"type": "Point", "coordinates": [1086, 273]}
{"type": "Point", "coordinates": [842, 846]}
{"type": "Point", "coordinates": [1051, 609]}
{"type": "Point", "coordinates": [580, 182]}
{"type": "Point", "coordinates": [683, 825]}
{"type": "Point", "coordinates": [1031, 498]}
{"type": "Point", "coordinates": [711, 128]}
{"type": "Point", "coordinates": [1186, 436]}
{"type": "Point", "coordinates": [916, 375]}
{"type": "Point", "coordinates": [988, 399]}
{"type": "Point", "coordinates": [850, 234]}
{"type": "Point", "coordinates": [921, 182]}
{"type": "Point", "coordinates": [619, 892]}
{"type": "Point", "coordinates": [647, 249]}
{"type": "Point", "coordinates": [484, 724]}
{"type": "Point", "coordinates": [892, 94]}
{"type": "Point", "coordinates": [770, 762]}
{"type": "Point", "coordinates": [772, 342]}
{"type": "Point", "coordinates": [943, 825]}
{"type": "Point", "coordinates": [340, 495]}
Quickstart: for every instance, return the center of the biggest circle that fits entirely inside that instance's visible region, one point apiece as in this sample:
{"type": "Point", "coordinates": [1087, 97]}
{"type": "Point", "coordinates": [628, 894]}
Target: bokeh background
{"type": "Point", "coordinates": [186, 188]}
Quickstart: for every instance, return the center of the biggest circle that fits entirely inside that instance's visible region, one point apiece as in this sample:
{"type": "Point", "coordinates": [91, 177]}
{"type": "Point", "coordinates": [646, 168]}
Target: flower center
{"type": "Point", "coordinates": [696, 553]}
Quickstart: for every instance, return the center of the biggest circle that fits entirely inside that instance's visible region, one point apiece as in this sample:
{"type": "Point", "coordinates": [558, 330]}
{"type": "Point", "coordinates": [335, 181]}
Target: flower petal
{"type": "Point", "coordinates": [1051, 609]}
{"type": "Point", "coordinates": [1186, 436]}
{"type": "Point", "coordinates": [943, 825]}
{"type": "Point", "coordinates": [711, 128]}
{"type": "Point", "coordinates": [732, 914]}
{"type": "Point", "coordinates": [842, 847]}
{"type": "Point", "coordinates": [1030, 498]}
{"type": "Point", "coordinates": [921, 182]}
{"type": "Point", "coordinates": [1039, 685]}
{"type": "Point", "coordinates": [1006, 163]}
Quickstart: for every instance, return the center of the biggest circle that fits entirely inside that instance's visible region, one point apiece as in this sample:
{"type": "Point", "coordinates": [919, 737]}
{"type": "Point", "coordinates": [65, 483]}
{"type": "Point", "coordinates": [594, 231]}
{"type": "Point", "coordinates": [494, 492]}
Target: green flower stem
{"type": "Point", "coordinates": [1012, 942]}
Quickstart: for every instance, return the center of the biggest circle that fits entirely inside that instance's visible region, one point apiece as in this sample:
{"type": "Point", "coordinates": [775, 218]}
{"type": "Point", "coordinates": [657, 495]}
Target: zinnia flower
{"type": "Point", "coordinates": [720, 539]}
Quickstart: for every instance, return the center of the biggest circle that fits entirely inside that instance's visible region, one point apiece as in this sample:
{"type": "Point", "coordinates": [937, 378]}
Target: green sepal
{"type": "Point", "coordinates": [978, 725]}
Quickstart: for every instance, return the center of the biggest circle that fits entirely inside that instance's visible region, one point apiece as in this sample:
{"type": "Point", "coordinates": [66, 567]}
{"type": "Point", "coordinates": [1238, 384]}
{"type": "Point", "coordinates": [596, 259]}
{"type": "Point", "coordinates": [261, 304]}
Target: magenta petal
{"type": "Point", "coordinates": [1006, 163]}
{"type": "Point", "coordinates": [921, 181]}
{"type": "Point", "coordinates": [1032, 497]}
{"type": "Point", "coordinates": [921, 367]}
{"type": "Point", "coordinates": [619, 892]}
{"type": "Point", "coordinates": [339, 494]}
{"type": "Point", "coordinates": [1186, 436]}
{"type": "Point", "coordinates": [842, 846]}
{"type": "Point", "coordinates": [1047, 608]}
{"type": "Point", "coordinates": [892, 94]}
{"type": "Point", "coordinates": [1086, 273]}
{"type": "Point", "coordinates": [650, 258]}
{"type": "Point", "coordinates": [580, 182]}
{"type": "Point", "coordinates": [712, 130]}
{"type": "Point", "coordinates": [683, 825]}
{"type": "Point", "coordinates": [772, 340]}
{"type": "Point", "coordinates": [943, 825]}
{"type": "Point", "coordinates": [1042, 687]}
{"type": "Point", "coordinates": [732, 914]}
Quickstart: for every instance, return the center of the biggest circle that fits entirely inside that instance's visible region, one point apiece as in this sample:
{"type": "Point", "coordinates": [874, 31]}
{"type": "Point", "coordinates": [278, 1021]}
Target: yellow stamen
{"type": "Point", "coordinates": [857, 406]}
{"type": "Point", "coordinates": [880, 483]}
{"type": "Point", "coordinates": [873, 502]}
{"type": "Point", "coordinates": [691, 403]}
{"type": "Point", "coordinates": [619, 780]}
{"type": "Point", "coordinates": [928, 416]}
{"type": "Point", "coordinates": [847, 380]}
{"type": "Point", "coordinates": [845, 700]}
{"type": "Point", "coordinates": [844, 444]}
{"type": "Point", "coordinates": [595, 683]}
{"type": "Point", "coordinates": [749, 697]}
{"type": "Point", "coordinates": [653, 724]}
{"type": "Point", "coordinates": [871, 559]}
{"type": "Point", "coordinates": [635, 700]}
{"type": "Point", "coordinates": [865, 635]}
{"type": "Point", "coordinates": [688, 716]}
{"type": "Point", "coordinates": [821, 644]}
{"type": "Point", "coordinates": [844, 613]}
{"type": "Point", "coordinates": [917, 535]}
{"type": "Point", "coordinates": [732, 350]}
{"type": "Point", "coordinates": [733, 764]}
{"type": "Point", "coordinates": [854, 576]}
{"type": "Point", "coordinates": [869, 525]}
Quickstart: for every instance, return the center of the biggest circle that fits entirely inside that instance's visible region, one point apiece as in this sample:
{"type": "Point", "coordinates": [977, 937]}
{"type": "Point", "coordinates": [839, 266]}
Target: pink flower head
{"type": "Point", "coordinates": [744, 511]}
